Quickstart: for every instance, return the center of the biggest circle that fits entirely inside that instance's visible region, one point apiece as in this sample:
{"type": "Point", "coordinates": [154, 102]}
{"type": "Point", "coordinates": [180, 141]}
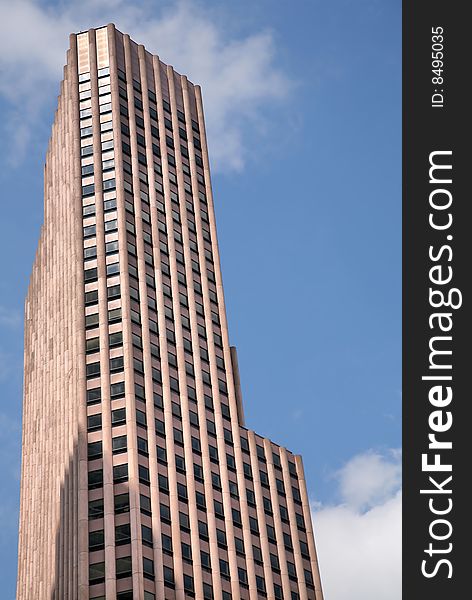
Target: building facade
{"type": "Point", "coordinates": [139, 478]}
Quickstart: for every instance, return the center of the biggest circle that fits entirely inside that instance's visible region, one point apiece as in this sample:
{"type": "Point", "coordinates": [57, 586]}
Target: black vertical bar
{"type": "Point", "coordinates": [436, 118]}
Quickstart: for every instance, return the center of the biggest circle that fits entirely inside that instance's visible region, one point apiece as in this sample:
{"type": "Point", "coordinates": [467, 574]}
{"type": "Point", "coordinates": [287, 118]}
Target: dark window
{"type": "Point", "coordinates": [122, 534]}
{"type": "Point", "coordinates": [94, 422]}
{"type": "Point", "coordinates": [118, 416]}
{"type": "Point", "coordinates": [146, 534]}
{"type": "Point", "coordinates": [205, 559]}
{"type": "Point", "coordinates": [94, 395]}
{"type": "Point", "coordinates": [92, 345]}
{"type": "Point", "coordinates": [95, 509]}
{"type": "Point", "coordinates": [121, 503]}
{"type": "Point", "coordinates": [120, 473]}
{"type": "Point", "coordinates": [95, 479]}
{"type": "Point", "coordinates": [94, 450]}
{"type": "Point", "coordinates": [96, 573]}
{"type": "Point", "coordinates": [168, 577]}
{"type": "Point", "coordinates": [148, 568]}
{"type": "Point", "coordinates": [166, 543]}
{"type": "Point", "coordinates": [123, 567]}
{"type": "Point", "coordinates": [143, 473]}
{"type": "Point", "coordinates": [119, 444]}
{"type": "Point", "coordinates": [117, 390]}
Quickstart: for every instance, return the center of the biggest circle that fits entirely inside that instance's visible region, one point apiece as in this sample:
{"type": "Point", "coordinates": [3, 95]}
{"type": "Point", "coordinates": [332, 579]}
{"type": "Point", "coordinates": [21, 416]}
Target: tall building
{"type": "Point", "coordinates": [139, 478]}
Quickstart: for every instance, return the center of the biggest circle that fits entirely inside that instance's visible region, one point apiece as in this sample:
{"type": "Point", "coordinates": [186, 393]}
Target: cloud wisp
{"type": "Point", "coordinates": [239, 75]}
{"type": "Point", "coordinates": [359, 539]}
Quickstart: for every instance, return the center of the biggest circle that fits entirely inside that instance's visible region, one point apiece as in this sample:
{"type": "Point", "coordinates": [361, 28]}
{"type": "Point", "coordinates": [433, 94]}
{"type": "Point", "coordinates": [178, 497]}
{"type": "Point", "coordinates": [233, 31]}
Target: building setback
{"type": "Point", "coordinates": [139, 479]}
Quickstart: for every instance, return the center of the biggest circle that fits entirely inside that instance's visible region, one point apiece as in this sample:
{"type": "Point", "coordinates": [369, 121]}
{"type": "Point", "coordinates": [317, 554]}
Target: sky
{"type": "Point", "coordinates": [303, 109]}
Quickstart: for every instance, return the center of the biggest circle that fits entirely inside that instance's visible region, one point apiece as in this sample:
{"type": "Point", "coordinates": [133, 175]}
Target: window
{"type": "Point", "coordinates": [278, 593]}
{"type": "Point", "coordinates": [203, 530]}
{"type": "Point", "coordinates": [242, 573]}
{"type": "Point", "coordinates": [188, 584]}
{"type": "Point", "coordinates": [292, 572]}
{"type": "Point", "coordinates": [221, 538]}
{"type": "Point", "coordinates": [90, 252]}
{"type": "Point", "coordinates": [205, 560]}
{"type": "Point", "coordinates": [251, 498]}
{"type": "Point", "coordinates": [168, 577]}
{"type": "Point", "coordinates": [113, 269]}
{"type": "Point", "coordinates": [207, 591]}
{"type": "Point", "coordinates": [280, 486]}
{"type": "Point", "coordinates": [216, 481]}
{"type": "Point", "coordinates": [145, 504]}
{"type": "Point", "coordinates": [198, 472]}
{"type": "Point", "coordinates": [117, 364]}
{"type": "Point", "coordinates": [288, 541]}
{"type": "Point", "coordinates": [96, 573]}
{"type": "Point", "coordinates": [92, 345]}
{"type": "Point", "coordinates": [119, 444]}
{"type": "Point", "coordinates": [117, 390]}
{"type": "Point", "coordinates": [182, 492]}
{"type": "Point", "coordinates": [239, 545]}
{"type": "Point", "coordinates": [178, 436]}
{"type": "Point", "coordinates": [165, 513]}
{"type": "Point", "coordinates": [247, 471]}
{"type": "Point", "coordinates": [90, 231]}
{"type": "Point", "coordinates": [271, 534]}
{"type": "Point", "coordinates": [148, 568]}
{"type": "Point", "coordinates": [142, 446]}
{"type": "Point", "coordinates": [143, 473]}
{"type": "Point", "coordinates": [163, 483]}
{"type": "Point", "coordinates": [244, 444]}
{"type": "Point", "coordinates": [118, 416]}
{"type": "Point", "coordinates": [233, 489]}
{"type": "Point", "coordinates": [236, 517]}
{"type": "Point", "coordinates": [187, 551]}
{"type": "Point", "coordinates": [116, 339]}
{"type": "Point", "coordinates": [114, 315]}
{"type": "Point", "coordinates": [113, 292]}
{"type": "Point", "coordinates": [218, 507]}
{"type": "Point", "coordinates": [253, 525]}
{"type": "Point", "coordinates": [161, 455]}
{"type": "Point", "coordinates": [121, 503]}
{"type": "Point", "coordinates": [91, 321]}
{"type": "Point", "coordinates": [95, 479]}
{"type": "Point", "coordinates": [274, 562]}
{"type": "Point", "coordinates": [264, 478]}
{"type": "Point", "coordinates": [95, 509]}
{"type": "Point", "coordinates": [200, 500]}
{"type": "Point", "coordinates": [122, 534]}
{"type": "Point", "coordinates": [180, 463]}
{"type": "Point", "coordinates": [123, 567]}
{"type": "Point", "coordinates": [304, 550]}
{"type": "Point", "coordinates": [284, 513]}
{"type": "Point", "coordinates": [91, 297]}
{"type": "Point", "coordinates": [260, 584]}
{"type": "Point", "coordinates": [94, 450]}
{"type": "Point", "coordinates": [296, 495]}
{"type": "Point", "coordinates": [94, 396]}
{"type": "Point", "coordinates": [224, 568]}
{"type": "Point", "coordinates": [94, 422]}
{"type": "Point", "coordinates": [120, 473]}
{"type": "Point", "coordinates": [308, 577]}
{"type": "Point", "coordinates": [300, 521]}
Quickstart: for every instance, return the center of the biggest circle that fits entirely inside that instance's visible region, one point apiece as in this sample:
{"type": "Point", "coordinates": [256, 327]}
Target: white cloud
{"type": "Point", "coordinates": [239, 76]}
{"type": "Point", "coordinates": [359, 539]}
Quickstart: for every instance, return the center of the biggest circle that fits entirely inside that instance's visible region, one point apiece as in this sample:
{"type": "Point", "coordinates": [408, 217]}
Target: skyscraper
{"type": "Point", "coordinates": [139, 478]}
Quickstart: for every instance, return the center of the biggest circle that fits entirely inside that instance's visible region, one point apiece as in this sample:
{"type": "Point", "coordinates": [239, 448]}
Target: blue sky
{"type": "Point", "coordinates": [304, 114]}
